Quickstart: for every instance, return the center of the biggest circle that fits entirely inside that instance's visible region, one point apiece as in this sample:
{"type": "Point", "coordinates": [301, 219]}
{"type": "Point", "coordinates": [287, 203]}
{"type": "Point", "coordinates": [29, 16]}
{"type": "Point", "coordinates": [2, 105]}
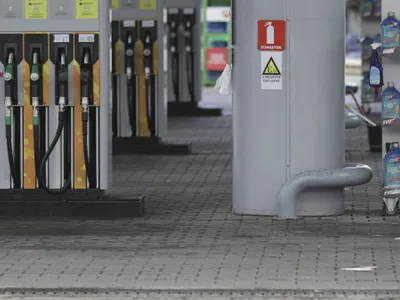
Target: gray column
{"type": "Point", "coordinates": [281, 133]}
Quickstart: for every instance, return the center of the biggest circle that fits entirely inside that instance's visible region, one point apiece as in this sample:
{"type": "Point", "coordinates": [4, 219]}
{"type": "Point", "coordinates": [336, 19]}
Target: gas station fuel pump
{"type": "Point", "coordinates": [184, 61]}
{"type": "Point", "coordinates": [55, 74]}
{"type": "Point", "coordinates": [139, 109]}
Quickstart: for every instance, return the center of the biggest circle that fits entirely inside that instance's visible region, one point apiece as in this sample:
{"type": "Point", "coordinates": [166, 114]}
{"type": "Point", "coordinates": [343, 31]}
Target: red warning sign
{"type": "Point", "coordinates": [216, 59]}
{"type": "Point", "coordinates": [271, 35]}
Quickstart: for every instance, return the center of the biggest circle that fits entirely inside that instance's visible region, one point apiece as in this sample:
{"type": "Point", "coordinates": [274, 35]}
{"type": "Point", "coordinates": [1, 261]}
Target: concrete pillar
{"type": "Point", "coordinates": [283, 132]}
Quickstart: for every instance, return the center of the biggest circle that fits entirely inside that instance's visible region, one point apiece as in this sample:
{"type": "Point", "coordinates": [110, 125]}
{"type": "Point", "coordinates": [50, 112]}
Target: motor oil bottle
{"type": "Point", "coordinates": [390, 31]}
{"type": "Point", "coordinates": [367, 7]}
{"type": "Point", "coordinates": [375, 71]}
{"type": "Point", "coordinates": [391, 166]}
{"type": "Point", "coordinates": [390, 102]}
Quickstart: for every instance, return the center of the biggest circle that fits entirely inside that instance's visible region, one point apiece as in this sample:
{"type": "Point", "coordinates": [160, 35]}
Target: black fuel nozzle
{"type": "Point", "coordinates": [85, 79]}
{"type": "Point", "coordinates": [188, 20]}
{"type": "Point", "coordinates": [35, 87]}
{"type": "Point", "coordinates": [173, 31]}
{"type": "Point", "coordinates": [129, 56]}
{"type": "Point", "coordinates": [62, 81]}
{"type": "Point", "coordinates": [148, 55]}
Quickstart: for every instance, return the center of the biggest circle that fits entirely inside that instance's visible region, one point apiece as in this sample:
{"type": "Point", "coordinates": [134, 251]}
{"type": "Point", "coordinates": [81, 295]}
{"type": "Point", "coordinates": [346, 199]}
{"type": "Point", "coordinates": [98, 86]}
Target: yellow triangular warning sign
{"type": "Point", "coordinates": [271, 68]}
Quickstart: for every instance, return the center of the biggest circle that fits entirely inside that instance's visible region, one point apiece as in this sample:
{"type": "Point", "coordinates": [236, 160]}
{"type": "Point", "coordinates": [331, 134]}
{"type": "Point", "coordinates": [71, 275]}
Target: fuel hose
{"type": "Point", "coordinates": [9, 92]}
{"type": "Point", "coordinates": [131, 91]}
{"type": "Point", "coordinates": [35, 91]}
{"type": "Point", "coordinates": [190, 73]}
{"type": "Point", "coordinates": [62, 93]}
{"type": "Point", "coordinates": [148, 56]}
{"type": "Point", "coordinates": [85, 94]}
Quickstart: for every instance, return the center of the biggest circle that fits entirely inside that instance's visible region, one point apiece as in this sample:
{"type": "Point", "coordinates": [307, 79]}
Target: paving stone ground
{"type": "Point", "coordinates": [189, 241]}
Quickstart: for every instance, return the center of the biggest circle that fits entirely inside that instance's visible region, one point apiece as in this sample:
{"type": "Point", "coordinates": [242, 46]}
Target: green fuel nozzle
{"type": "Point", "coordinates": [9, 70]}
{"type": "Point", "coordinates": [35, 67]}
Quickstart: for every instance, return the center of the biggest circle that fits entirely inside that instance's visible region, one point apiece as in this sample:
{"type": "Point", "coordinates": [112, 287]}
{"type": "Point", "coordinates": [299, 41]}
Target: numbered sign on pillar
{"type": "Point", "coordinates": [271, 35]}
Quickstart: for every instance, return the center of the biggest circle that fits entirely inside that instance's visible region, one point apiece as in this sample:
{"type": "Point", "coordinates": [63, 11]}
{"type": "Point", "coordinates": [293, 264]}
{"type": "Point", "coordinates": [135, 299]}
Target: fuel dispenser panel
{"type": "Point", "coordinates": [184, 61]}
{"type": "Point", "coordinates": [55, 82]}
{"type": "Point", "coordinates": [139, 104]}
{"type": "Point", "coordinates": [55, 125]}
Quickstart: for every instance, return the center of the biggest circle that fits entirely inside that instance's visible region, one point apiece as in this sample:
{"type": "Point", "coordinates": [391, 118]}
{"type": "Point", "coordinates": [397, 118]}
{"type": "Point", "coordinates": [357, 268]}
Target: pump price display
{"type": "Point", "coordinates": [148, 4]}
{"type": "Point", "coordinates": [35, 9]}
{"type": "Point", "coordinates": [87, 9]}
{"type": "Point", "coordinates": [271, 35]}
{"type": "Point", "coordinates": [115, 4]}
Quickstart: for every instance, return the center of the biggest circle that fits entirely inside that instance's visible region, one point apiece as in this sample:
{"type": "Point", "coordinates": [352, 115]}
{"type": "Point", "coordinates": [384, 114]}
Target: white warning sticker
{"type": "Point", "coordinates": [271, 70]}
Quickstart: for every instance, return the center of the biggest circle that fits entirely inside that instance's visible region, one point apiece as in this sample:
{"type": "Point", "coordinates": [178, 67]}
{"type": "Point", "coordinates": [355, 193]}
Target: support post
{"type": "Point", "coordinates": [287, 103]}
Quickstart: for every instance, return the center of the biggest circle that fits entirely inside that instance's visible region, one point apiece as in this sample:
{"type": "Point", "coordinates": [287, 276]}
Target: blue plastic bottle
{"type": "Point", "coordinates": [367, 7]}
{"type": "Point", "coordinates": [375, 71]}
{"type": "Point", "coordinates": [390, 102]}
{"type": "Point", "coordinates": [391, 167]}
{"type": "Point", "coordinates": [390, 31]}
{"type": "Point", "coordinates": [377, 8]}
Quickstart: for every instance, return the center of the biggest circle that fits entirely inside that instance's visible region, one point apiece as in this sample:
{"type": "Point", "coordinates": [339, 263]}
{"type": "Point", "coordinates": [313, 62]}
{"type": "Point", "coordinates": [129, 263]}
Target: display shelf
{"type": "Point", "coordinates": [370, 29]}
{"type": "Point", "coordinates": [390, 127]}
{"type": "Point", "coordinates": [216, 35]}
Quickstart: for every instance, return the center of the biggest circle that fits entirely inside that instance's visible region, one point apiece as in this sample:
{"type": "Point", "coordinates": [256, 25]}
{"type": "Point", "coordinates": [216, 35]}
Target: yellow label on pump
{"type": "Point", "coordinates": [87, 9]}
{"type": "Point", "coordinates": [36, 9]}
{"type": "Point", "coordinates": [115, 4]}
{"type": "Point", "coordinates": [148, 4]}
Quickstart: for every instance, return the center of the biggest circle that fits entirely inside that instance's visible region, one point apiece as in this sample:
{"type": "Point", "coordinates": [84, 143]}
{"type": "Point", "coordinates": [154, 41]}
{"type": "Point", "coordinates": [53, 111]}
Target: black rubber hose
{"type": "Point", "coordinates": [190, 74]}
{"type": "Point", "coordinates": [42, 166]}
{"type": "Point", "coordinates": [175, 75]}
{"type": "Point", "coordinates": [153, 105]}
{"type": "Point", "coordinates": [36, 143]}
{"type": "Point", "coordinates": [131, 102]}
{"type": "Point", "coordinates": [148, 104]}
{"type": "Point", "coordinates": [11, 160]}
{"type": "Point", "coordinates": [85, 121]}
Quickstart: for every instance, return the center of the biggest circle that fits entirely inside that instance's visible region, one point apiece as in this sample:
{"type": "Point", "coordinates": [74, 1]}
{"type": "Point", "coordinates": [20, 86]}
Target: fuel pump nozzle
{"type": "Point", "coordinates": [149, 81]}
{"type": "Point", "coordinates": [85, 83]}
{"type": "Point", "coordinates": [188, 24]}
{"type": "Point", "coordinates": [130, 80]}
{"type": "Point", "coordinates": [129, 56]}
{"type": "Point", "coordinates": [148, 56]}
{"type": "Point", "coordinates": [62, 77]}
{"type": "Point", "coordinates": [9, 85]}
{"type": "Point", "coordinates": [86, 90]}
{"type": "Point", "coordinates": [35, 88]}
{"type": "Point", "coordinates": [9, 93]}
{"type": "Point", "coordinates": [62, 88]}
{"type": "Point", "coordinates": [173, 49]}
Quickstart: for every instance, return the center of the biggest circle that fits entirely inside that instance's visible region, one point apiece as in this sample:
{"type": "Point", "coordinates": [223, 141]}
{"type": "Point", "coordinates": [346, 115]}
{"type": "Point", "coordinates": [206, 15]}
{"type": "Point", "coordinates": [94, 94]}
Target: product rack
{"type": "Point", "coordinates": [390, 128]}
{"type": "Point", "coordinates": [370, 28]}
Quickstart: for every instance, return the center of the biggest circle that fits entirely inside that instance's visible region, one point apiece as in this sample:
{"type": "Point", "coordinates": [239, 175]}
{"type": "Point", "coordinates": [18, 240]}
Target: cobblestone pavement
{"type": "Point", "coordinates": [190, 241]}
